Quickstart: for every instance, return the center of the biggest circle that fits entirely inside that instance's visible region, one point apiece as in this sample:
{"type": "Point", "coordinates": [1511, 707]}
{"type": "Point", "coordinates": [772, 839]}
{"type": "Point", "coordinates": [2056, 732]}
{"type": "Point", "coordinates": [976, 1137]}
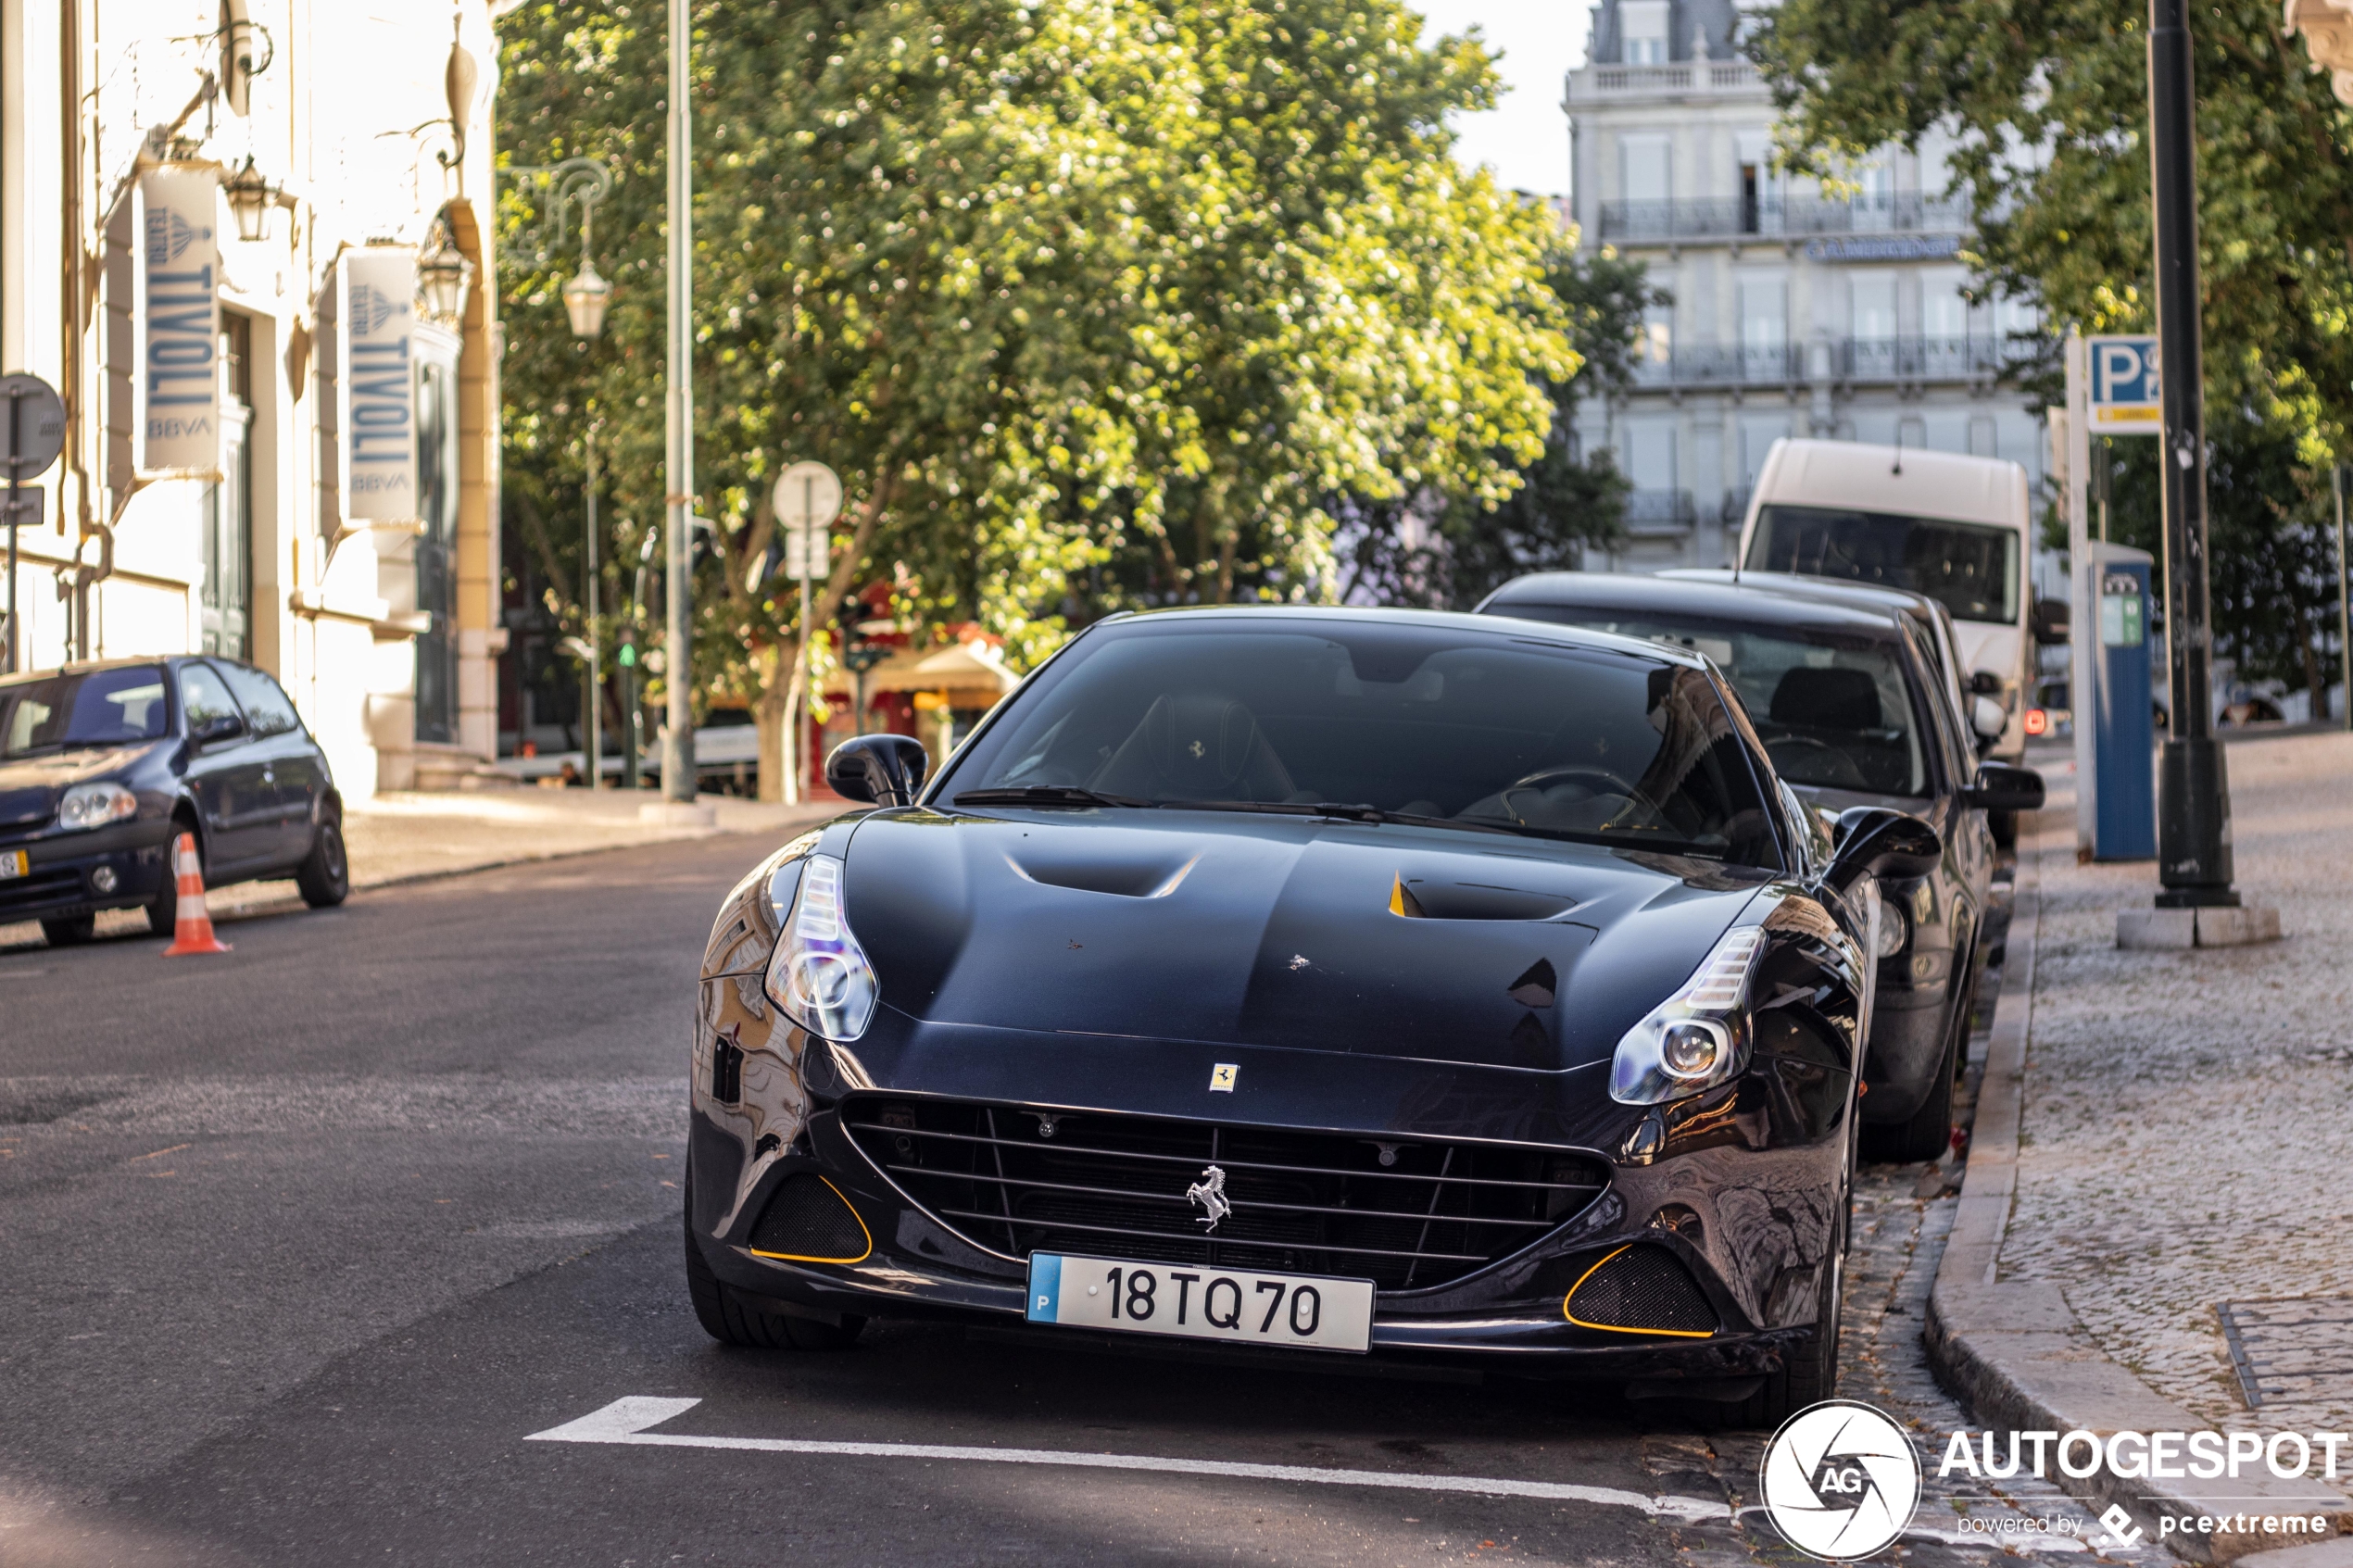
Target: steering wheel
{"type": "Point", "coordinates": [1548, 778]}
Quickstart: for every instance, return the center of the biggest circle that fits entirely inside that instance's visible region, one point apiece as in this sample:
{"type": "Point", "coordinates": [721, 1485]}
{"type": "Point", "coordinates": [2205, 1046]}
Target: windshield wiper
{"type": "Point", "coordinates": [1341, 810]}
{"type": "Point", "coordinates": [1045, 794]}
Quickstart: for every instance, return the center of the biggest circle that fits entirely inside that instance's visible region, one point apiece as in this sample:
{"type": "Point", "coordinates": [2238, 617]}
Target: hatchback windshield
{"type": "Point", "coordinates": [1833, 711]}
{"type": "Point", "coordinates": [1426, 723]}
{"type": "Point", "coordinates": [93, 707]}
{"type": "Point", "coordinates": [1968, 568]}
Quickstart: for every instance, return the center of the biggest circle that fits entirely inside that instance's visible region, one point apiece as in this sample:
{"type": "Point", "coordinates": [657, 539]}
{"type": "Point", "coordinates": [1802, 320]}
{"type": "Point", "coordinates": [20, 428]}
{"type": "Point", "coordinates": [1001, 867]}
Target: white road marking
{"type": "Point", "coordinates": [624, 1421]}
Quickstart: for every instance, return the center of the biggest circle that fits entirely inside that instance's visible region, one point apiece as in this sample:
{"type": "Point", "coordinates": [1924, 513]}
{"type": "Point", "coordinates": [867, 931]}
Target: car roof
{"type": "Point", "coordinates": [1825, 590]}
{"type": "Point", "coordinates": [1753, 605]}
{"type": "Point", "coordinates": [1461, 621]}
{"type": "Point", "coordinates": [89, 666]}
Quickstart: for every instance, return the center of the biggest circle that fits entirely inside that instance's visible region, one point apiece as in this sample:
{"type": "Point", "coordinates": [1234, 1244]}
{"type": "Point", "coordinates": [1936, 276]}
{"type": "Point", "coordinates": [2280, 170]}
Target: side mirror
{"type": "Point", "coordinates": [880, 770]}
{"type": "Point", "coordinates": [1987, 718]}
{"type": "Point", "coordinates": [218, 727]}
{"type": "Point", "coordinates": [2052, 620]}
{"type": "Point", "coordinates": [2001, 787]}
{"type": "Point", "coordinates": [1874, 841]}
{"type": "Point", "coordinates": [1984, 683]}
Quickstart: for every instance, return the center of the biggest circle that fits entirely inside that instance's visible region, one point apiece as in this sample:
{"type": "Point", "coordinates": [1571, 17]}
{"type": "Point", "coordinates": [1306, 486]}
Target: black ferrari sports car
{"type": "Point", "coordinates": [1316, 981]}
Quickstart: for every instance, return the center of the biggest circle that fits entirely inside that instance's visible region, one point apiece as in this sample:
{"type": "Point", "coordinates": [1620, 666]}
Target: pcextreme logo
{"type": "Point", "coordinates": [1840, 1480]}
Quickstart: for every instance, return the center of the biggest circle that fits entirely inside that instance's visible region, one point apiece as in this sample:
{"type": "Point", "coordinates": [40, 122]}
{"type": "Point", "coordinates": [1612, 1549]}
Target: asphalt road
{"type": "Point", "coordinates": [299, 1246]}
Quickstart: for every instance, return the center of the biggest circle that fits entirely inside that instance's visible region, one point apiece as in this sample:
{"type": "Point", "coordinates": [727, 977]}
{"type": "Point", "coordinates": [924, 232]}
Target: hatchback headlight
{"type": "Point", "coordinates": [819, 975]}
{"type": "Point", "coordinates": [95, 804]}
{"type": "Point", "coordinates": [1696, 1038]}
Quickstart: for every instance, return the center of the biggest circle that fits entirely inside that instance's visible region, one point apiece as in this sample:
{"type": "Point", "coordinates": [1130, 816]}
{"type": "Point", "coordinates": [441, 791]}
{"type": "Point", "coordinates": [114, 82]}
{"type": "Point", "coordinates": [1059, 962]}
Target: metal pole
{"type": "Point", "coordinates": [800, 689]}
{"type": "Point", "coordinates": [2344, 611]}
{"type": "Point", "coordinates": [678, 669]}
{"type": "Point", "coordinates": [16, 490]}
{"type": "Point", "coordinates": [2194, 863]}
{"type": "Point", "coordinates": [596, 651]}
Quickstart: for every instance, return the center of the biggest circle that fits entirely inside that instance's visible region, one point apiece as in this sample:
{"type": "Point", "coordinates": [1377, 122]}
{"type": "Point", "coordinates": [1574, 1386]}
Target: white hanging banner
{"type": "Point", "coordinates": [379, 384]}
{"type": "Point", "coordinates": [178, 381]}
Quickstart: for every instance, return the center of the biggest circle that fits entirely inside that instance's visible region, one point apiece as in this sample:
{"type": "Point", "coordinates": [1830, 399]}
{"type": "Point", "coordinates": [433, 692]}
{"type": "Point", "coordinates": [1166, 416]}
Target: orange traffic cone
{"type": "Point", "coordinates": [192, 933]}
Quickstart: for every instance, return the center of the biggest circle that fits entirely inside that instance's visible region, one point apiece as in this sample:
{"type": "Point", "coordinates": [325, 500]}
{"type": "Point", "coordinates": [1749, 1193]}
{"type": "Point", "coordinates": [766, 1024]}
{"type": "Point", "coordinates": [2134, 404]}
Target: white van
{"type": "Point", "coordinates": [1953, 528]}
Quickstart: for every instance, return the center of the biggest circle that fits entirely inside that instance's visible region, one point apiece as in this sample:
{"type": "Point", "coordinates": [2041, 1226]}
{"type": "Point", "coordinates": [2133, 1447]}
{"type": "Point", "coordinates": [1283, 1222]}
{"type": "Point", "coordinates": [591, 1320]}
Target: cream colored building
{"type": "Point", "coordinates": [360, 571]}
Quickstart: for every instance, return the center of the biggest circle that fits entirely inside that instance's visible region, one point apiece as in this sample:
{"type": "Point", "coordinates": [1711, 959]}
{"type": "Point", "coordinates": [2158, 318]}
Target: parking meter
{"type": "Point", "coordinates": [2114, 584]}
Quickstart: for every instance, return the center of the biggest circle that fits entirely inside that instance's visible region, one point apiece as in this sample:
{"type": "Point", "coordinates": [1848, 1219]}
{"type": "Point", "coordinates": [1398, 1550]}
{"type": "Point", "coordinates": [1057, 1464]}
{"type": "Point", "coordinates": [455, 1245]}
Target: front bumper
{"type": "Point", "coordinates": [1745, 1187]}
{"type": "Point", "coordinates": [62, 877]}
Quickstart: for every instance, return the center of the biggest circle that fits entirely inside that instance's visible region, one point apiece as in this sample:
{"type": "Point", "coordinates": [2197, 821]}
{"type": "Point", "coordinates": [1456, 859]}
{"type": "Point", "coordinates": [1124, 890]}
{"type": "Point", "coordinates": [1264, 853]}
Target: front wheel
{"type": "Point", "coordinates": [728, 1318]}
{"type": "Point", "coordinates": [1927, 1131]}
{"type": "Point", "coordinates": [1809, 1374]}
{"type": "Point", "coordinates": [324, 877]}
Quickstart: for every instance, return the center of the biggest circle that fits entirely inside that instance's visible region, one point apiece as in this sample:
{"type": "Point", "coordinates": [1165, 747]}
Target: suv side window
{"type": "Point", "coordinates": [204, 696]}
{"type": "Point", "coordinates": [268, 709]}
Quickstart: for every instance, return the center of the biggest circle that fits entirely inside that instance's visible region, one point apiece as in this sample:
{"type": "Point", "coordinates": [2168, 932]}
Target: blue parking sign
{"type": "Point", "coordinates": [2124, 391]}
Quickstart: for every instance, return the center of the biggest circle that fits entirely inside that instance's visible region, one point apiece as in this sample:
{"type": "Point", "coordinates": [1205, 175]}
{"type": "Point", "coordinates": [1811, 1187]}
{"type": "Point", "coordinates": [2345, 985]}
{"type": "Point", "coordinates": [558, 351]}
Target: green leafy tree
{"type": "Point", "coordinates": [1053, 286]}
{"type": "Point", "coordinates": [1449, 551]}
{"type": "Point", "coordinates": [2049, 104]}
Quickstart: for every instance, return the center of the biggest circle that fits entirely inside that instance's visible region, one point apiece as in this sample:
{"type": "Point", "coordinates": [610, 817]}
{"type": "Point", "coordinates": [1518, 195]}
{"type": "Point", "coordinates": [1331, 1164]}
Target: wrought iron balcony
{"type": "Point", "coordinates": [1659, 511]}
{"type": "Point", "coordinates": [1711, 365]}
{"type": "Point", "coordinates": [1918, 358]}
{"type": "Point", "coordinates": [1775, 216]}
{"type": "Point", "coordinates": [1867, 361]}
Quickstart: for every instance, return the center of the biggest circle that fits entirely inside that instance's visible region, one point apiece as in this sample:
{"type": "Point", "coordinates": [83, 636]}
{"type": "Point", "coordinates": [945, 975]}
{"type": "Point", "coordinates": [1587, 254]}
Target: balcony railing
{"type": "Point", "coordinates": [1710, 365]}
{"type": "Point", "coordinates": [1775, 217]}
{"type": "Point", "coordinates": [1694, 76]}
{"type": "Point", "coordinates": [1867, 360]}
{"type": "Point", "coordinates": [1917, 358]}
{"type": "Point", "coordinates": [1659, 511]}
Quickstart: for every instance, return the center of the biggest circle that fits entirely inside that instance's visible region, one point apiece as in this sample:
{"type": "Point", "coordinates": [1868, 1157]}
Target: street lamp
{"type": "Point", "coordinates": [441, 277]}
{"type": "Point", "coordinates": [584, 298]}
{"type": "Point", "coordinates": [250, 199]}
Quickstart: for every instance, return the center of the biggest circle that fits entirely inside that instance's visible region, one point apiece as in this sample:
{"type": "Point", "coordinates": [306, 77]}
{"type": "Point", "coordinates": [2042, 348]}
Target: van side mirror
{"type": "Point", "coordinates": [2052, 620]}
{"type": "Point", "coordinates": [1874, 841]}
{"type": "Point", "coordinates": [2001, 787]}
{"type": "Point", "coordinates": [1984, 683]}
{"type": "Point", "coordinates": [879, 770]}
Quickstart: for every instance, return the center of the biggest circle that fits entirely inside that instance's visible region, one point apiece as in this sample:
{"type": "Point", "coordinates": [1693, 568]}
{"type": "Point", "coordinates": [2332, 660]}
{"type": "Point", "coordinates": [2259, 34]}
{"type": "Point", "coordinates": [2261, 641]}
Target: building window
{"type": "Point", "coordinates": [1642, 32]}
{"type": "Point", "coordinates": [1645, 168]}
{"type": "Point", "coordinates": [1656, 342]}
{"type": "Point", "coordinates": [1764, 325]}
{"type": "Point", "coordinates": [1871, 299]}
{"type": "Point", "coordinates": [1944, 306]}
{"type": "Point", "coordinates": [225, 603]}
{"type": "Point", "coordinates": [437, 544]}
{"type": "Point", "coordinates": [1650, 453]}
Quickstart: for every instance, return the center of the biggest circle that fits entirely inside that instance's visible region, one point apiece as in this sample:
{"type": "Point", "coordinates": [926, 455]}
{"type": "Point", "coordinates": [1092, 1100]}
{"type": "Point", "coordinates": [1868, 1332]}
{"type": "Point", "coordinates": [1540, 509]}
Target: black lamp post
{"type": "Point", "coordinates": [2194, 795]}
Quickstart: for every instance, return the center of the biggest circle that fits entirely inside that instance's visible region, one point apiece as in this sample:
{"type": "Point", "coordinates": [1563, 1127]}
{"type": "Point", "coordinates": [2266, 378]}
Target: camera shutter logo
{"type": "Point", "coordinates": [1840, 1480]}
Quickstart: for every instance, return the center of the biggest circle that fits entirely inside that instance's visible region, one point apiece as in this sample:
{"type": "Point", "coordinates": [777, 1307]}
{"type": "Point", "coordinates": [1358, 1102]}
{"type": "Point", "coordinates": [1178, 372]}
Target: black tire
{"type": "Point", "coordinates": [1928, 1131]}
{"type": "Point", "coordinates": [1809, 1374]}
{"type": "Point", "coordinates": [163, 910]}
{"type": "Point", "coordinates": [70, 932]}
{"type": "Point", "coordinates": [728, 1318]}
{"type": "Point", "coordinates": [324, 877]}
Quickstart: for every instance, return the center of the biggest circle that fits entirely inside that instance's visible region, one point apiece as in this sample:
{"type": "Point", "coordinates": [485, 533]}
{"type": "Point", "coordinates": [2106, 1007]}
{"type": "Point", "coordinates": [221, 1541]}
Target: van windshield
{"type": "Point", "coordinates": [1969, 568]}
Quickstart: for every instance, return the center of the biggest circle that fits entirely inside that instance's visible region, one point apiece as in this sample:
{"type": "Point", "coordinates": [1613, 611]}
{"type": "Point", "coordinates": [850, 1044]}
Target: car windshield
{"type": "Point", "coordinates": [1969, 568]}
{"type": "Point", "coordinates": [1487, 732]}
{"type": "Point", "coordinates": [92, 707]}
{"type": "Point", "coordinates": [1833, 711]}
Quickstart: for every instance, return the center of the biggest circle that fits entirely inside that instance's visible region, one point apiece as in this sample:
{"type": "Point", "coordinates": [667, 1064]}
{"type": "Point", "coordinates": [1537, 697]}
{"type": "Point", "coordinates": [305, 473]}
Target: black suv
{"type": "Point", "coordinates": [103, 765]}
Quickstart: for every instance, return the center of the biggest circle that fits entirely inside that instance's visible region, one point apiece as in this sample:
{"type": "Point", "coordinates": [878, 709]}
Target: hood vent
{"type": "Point", "coordinates": [1422, 899]}
{"type": "Point", "coordinates": [1124, 877]}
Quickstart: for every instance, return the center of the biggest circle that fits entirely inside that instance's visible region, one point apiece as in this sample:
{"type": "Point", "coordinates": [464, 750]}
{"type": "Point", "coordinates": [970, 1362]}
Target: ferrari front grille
{"type": "Point", "coordinates": [1407, 1214]}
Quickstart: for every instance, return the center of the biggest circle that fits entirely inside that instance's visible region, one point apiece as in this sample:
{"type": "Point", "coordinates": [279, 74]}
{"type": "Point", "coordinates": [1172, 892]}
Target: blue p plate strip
{"type": "Point", "coordinates": [1045, 1287]}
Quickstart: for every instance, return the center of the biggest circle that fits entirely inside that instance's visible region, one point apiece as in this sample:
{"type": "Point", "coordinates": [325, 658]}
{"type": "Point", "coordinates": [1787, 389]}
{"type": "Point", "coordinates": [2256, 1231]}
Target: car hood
{"type": "Point", "coordinates": [1276, 930]}
{"type": "Point", "coordinates": [29, 786]}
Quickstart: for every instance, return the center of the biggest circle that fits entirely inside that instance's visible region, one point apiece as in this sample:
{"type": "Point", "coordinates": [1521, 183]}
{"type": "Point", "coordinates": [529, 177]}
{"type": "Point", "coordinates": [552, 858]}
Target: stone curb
{"type": "Point", "coordinates": [2020, 1359]}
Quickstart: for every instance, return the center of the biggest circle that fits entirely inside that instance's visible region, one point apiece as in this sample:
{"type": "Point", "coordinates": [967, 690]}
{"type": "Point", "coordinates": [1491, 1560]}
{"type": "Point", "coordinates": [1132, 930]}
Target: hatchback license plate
{"type": "Point", "coordinates": [1302, 1311]}
{"type": "Point", "coordinates": [13, 863]}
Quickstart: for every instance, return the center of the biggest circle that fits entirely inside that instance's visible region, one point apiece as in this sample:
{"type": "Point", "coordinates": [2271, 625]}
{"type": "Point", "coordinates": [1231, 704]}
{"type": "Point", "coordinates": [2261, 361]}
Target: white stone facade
{"type": "Point", "coordinates": [371, 128]}
{"type": "Point", "coordinates": [1793, 314]}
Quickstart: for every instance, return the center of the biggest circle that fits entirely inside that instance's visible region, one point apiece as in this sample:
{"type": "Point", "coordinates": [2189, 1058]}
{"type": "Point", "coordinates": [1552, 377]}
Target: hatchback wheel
{"type": "Point", "coordinates": [324, 877]}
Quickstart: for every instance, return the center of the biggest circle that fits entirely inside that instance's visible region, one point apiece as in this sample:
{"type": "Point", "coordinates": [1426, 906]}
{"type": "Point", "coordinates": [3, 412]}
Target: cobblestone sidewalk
{"type": "Point", "coordinates": [2188, 1133]}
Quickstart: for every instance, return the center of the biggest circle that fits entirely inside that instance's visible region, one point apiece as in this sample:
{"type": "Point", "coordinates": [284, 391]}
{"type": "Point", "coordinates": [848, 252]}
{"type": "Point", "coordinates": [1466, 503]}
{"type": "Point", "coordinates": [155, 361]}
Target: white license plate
{"type": "Point", "coordinates": [1302, 1311]}
{"type": "Point", "coordinates": [14, 863]}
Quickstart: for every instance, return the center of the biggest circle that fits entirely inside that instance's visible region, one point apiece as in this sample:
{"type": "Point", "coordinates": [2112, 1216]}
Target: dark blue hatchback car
{"type": "Point", "coordinates": [103, 765]}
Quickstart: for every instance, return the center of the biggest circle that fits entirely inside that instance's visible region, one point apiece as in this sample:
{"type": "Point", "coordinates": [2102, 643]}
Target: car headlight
{"type": "Point", "coordinates": [1696, 1038]}
{"type": "Point", "coordinates": [819, 975]}
{"type": "Point", "coordinates": [1894, 928]}
{"type": "Point", "coordinates": [95, 804]}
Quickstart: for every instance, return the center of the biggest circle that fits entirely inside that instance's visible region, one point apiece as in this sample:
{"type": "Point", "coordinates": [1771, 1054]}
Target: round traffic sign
{"type": "Point", "coordinates": [807, 496]}
{"type": "Point", "coordinates": [32, 426]}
